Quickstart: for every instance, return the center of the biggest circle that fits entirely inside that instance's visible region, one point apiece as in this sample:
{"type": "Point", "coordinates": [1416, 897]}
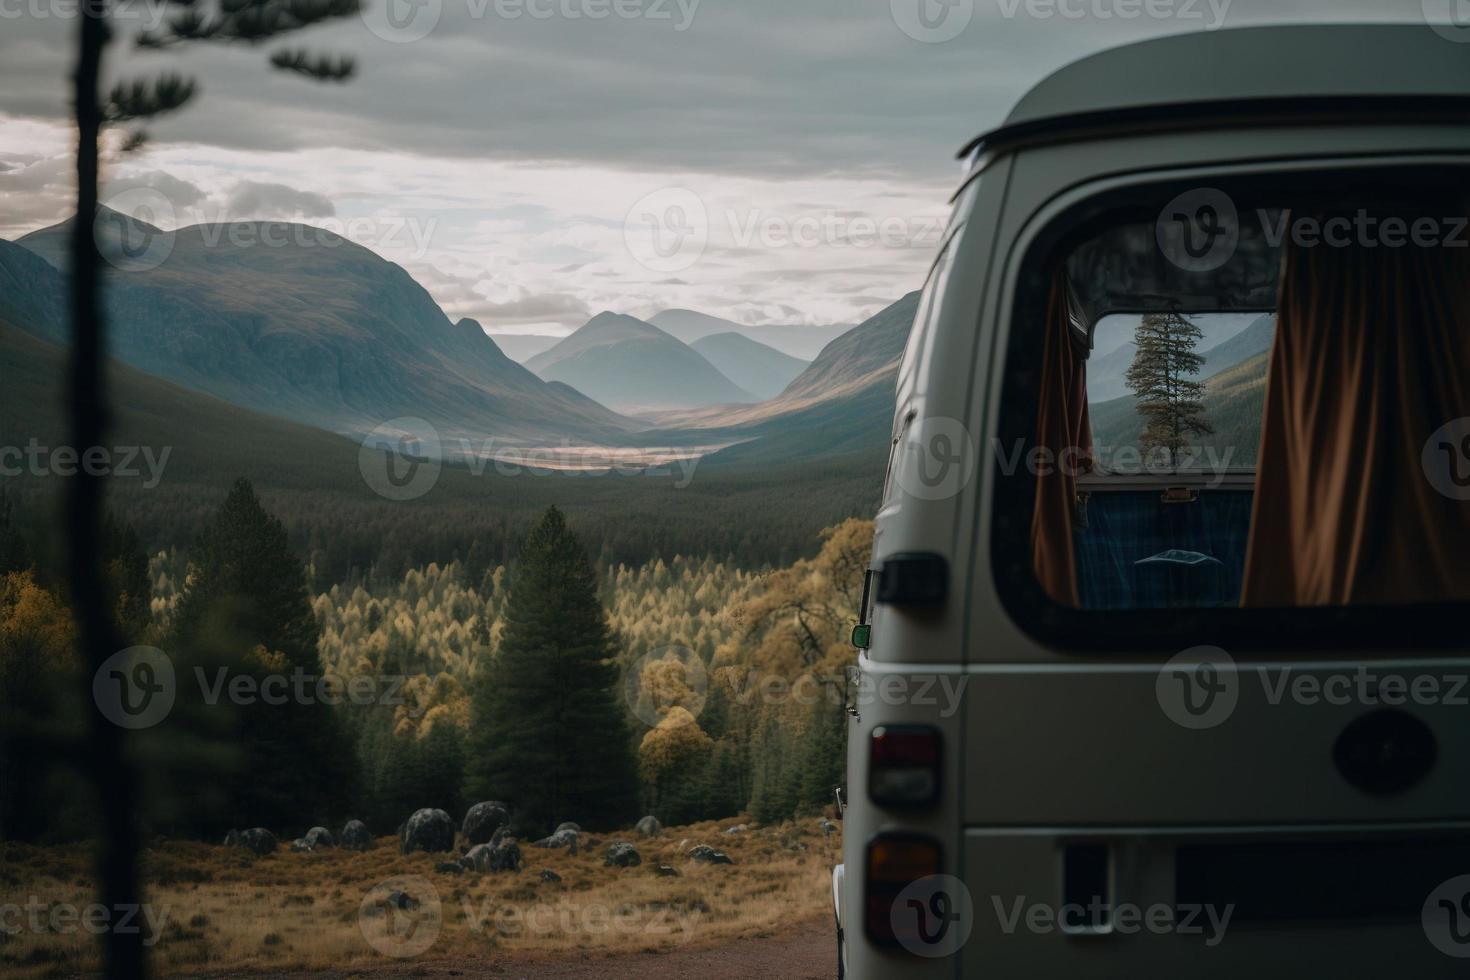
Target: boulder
{"type": "Point", "coordinates": [319, 837]}
{"type": "Point", "coordinates": [549, 876]}
{"type": "Point", "coordinates": [502, 856]}
{"type": "Point", "coordinates": [564, 837]}
{"type": "Point", "coordinates": [482, 820]}
{"type": "Point", "coordinates": [355, 836]}
{"type": "Point", "coordinates": [257, 840]}
{"type": "Point", "coordinates": [568, 825]}
{"type": "Point", "coordinates": [622, 855]}
{"type": "Point", "coordinates": [428, 830]}
{"type": "Point", "coordinates": [827, 827]}
{"type": "Point", "coordinates": [707, 854]}
{"type": "Point", "coordinates": [665, 871]}
{"type": "Point", "coordinates": [739, 828]}
{"type": "Point", "coordinates": [649, 826]}
{"type": "Point", "coordinates": [232, 839]}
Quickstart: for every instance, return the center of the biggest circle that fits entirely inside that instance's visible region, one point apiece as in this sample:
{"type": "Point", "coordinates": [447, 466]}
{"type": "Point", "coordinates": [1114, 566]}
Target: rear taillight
{"type": "Point", "coordinates": [895, 861]}
{"type": "Point", "coordinates": [903, 765]}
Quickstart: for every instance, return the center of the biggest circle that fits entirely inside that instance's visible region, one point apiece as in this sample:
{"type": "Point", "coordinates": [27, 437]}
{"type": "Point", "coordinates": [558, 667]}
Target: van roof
{"type": "Point", "coordinates": [1199, 74]}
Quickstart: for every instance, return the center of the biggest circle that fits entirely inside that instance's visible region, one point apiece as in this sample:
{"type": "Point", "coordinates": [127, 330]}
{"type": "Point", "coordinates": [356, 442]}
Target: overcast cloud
{"type": "Point", "coordinates": [501, 156]}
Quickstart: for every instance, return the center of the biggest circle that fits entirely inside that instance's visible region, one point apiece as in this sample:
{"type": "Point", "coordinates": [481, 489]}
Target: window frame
{"type": "Point", "coordinates": [1435, 626]}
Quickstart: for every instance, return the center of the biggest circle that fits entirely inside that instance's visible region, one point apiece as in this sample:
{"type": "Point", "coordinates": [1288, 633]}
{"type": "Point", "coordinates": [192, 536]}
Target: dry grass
{"type": "Point", "coordinates": [219, 909]}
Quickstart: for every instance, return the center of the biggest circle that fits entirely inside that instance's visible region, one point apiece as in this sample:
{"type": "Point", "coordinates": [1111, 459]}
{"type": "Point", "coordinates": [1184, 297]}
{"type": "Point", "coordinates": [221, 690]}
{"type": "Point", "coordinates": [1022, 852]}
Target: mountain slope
{"type": "Point", "coordinates": [631, 365]}
{"type": "Point", "coordinates": [1234, 402]}
{"type": "Point", "coordinates": [842, 403]}
{"type": "Point", "coordinates": [1254, 339]}
{"type": "Point", "coordinates": [761, 370]}
{"type": "Point", "coordinates": [297, 322]}
{"type": "Point", "coordinates": [800, 342]}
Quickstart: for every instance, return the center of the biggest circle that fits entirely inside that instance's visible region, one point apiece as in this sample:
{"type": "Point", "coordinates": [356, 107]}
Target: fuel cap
{"type": "Point", "coordinates": [1385, 752]}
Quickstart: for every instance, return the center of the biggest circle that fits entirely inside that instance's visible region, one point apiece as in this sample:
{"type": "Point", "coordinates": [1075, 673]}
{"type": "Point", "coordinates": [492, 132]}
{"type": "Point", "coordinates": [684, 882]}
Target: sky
{"type": "Point", "coordinates": [533, 162]}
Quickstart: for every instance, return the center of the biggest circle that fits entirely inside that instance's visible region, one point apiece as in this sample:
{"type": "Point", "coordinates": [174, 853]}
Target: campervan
{"type": "Point", "coordinates": [1163, 664]}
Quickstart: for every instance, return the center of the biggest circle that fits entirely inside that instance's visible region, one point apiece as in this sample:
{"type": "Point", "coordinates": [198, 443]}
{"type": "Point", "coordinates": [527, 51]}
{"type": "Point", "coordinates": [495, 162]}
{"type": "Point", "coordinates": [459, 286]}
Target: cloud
{"type": "Point", "coordinates": [180, 193]}
{"type": "Point", "coordinates": [252, 199]}
{"type": "Point", "coordinates": [545, 308]}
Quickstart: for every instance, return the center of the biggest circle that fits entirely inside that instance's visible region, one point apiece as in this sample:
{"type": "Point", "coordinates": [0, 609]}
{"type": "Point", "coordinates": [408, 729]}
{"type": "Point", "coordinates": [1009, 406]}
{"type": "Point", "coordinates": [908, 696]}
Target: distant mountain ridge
{"type": "Point", "coordinates": [757, 368]}
{"type": "Point", "coordinates": [801, 342]}
{"type": "Point", "coordinates": [632, 365]}
{"type": "Point", "coordinates": [302, 324]}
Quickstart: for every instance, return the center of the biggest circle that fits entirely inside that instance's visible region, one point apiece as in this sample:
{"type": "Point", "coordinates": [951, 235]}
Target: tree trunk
{"type": "Point", "coordinates": [106, 760]}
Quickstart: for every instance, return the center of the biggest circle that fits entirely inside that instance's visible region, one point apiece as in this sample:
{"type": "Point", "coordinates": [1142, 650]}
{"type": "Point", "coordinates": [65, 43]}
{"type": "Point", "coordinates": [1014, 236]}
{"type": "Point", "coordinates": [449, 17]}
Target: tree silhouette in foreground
{"type": "Point", "coordinates": [251, 21]}
{"type": "Point", "coordinates": [547, 730]}
{"type": "Point", "coordinates": [1161, 379]}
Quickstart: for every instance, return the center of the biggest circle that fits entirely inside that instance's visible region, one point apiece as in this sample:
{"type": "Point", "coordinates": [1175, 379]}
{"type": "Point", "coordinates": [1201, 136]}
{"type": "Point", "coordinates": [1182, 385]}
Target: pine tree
{"type": "Point", "coordinates": [825, 763]}
{"type": "Point", "coordinates": [1160, 377]}
{"type": "Point", "coordinates": [548, 732]}
{"type": "Point", "coordinates": [245, 611]}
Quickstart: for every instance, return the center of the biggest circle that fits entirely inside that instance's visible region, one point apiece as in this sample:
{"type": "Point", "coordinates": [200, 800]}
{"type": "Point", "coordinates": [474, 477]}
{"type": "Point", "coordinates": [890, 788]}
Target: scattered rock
{"type": "Point", "coordinates": [428, 830]}
{"type": "Point", "coordinates": [794, 845]}
{"type": "Point", "coordinates": [564, 837]}
{"type": "Point", "coordinates": [549, 876]}
{"type": "Point", "coordinates": [483, 820]}
{"type": "Point", "coordinates": [502, 856]}
{"type": "Point", "coordinates": [739, 828]}
{"type": "Point", "coordinates": [232, 839]}
{"type": "Point", "coordinates": [355, 836]}
{"type": "Point", "coordinates": [449, 868]}
{"type": "Point", "coordinates": [828, 827]}
{"type": "Point", "coordinates": [257, 840]}
{"type": "Point", "coordinates": [707, 854]}
{"type": "Point", "coordinates": [665, 871]}
{"type": "Point", "coordinates": [568, 825]}
{"type": "Point", "coordinates": [623, 855]}
{"type": "Point", "coordinates": [649, 826]}
{"type": "Point", "coordinates": [319, 837]}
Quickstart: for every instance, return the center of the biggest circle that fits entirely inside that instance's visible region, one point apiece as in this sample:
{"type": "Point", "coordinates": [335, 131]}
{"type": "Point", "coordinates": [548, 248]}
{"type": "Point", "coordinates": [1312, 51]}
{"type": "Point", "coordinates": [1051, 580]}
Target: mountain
{"type": "Point", "coordinates": [795, 341]}
{"type": "Point", "coordinates": [521, 347]}
{"type": "Point", "coordinates": [297, 322]}
{"type": "Point", "coordinates": [631, 365]}
{"type": "Point", "coordinates": [1254, 339]}
{"type": "Point", "coordinates": [759, 369]}
{"type": "Point", "coordinates": [841, 404]}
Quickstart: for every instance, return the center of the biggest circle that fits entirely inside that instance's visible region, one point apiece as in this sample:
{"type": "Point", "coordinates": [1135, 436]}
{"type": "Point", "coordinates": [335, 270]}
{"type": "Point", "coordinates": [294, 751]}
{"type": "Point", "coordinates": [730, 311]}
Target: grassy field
{"type": "Point", "coordinates": [211, 909]}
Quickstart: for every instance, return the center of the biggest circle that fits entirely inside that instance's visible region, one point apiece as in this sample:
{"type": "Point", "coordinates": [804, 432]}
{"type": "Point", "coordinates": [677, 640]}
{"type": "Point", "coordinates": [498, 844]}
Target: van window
{"type": "Point", "coordinates": [1253, 398]}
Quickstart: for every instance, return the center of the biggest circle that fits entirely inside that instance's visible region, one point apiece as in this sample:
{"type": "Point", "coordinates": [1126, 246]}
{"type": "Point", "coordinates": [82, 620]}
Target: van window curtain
{"type": "Point", "coordinates": [1371, 359]}
{"type": "Point", "coordinates": [1064, 433]}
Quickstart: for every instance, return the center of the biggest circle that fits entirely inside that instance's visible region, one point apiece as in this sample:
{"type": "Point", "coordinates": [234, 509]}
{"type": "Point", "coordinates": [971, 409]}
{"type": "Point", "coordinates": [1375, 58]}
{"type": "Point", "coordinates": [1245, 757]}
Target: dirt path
{"type": "Point", "coordinates": [806, 951]}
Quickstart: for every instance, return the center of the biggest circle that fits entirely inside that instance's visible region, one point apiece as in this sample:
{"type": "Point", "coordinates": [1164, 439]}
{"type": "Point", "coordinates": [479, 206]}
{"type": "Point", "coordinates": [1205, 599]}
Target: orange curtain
{"type": "Point", "coordinates": [1062, 427]}
{"type": "Point", "coordinates": [1371, 358]}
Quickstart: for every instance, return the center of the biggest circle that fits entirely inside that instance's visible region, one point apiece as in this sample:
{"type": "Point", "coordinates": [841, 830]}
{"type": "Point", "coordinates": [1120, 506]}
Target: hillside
{"type": "Point", "coordinates": [761, 370]}
{"type": "Point", "coordinates": [1234, 401]}
{"type": "Point", "coordinates": [296, 322]}
{"type": "Point", "coordinates": [631, 365]}
{"type": "Point", "coordinates": [840, 405]}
